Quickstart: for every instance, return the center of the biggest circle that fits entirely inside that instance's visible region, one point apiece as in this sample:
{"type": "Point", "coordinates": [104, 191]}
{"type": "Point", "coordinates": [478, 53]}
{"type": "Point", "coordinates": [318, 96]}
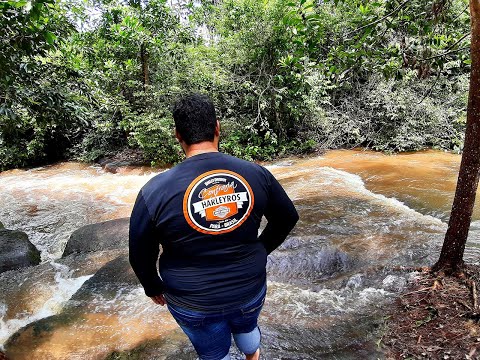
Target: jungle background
{"type": "Point", "coordinates": [88, 79]}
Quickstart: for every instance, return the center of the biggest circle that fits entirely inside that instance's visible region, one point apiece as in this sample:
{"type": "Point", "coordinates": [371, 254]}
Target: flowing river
{"type": "Point", "coordinates": [363, 217]}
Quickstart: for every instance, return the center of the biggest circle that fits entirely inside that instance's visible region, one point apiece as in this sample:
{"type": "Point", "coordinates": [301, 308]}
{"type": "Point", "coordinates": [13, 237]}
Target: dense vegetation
{"type": "Point", "coordinates": [87, 79]}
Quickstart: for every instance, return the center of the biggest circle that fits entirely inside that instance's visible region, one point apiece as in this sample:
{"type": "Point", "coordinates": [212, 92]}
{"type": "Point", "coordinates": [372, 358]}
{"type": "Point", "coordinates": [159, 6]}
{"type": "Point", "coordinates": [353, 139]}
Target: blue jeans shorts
{"type": "Point", "coordinates": [211, 333]}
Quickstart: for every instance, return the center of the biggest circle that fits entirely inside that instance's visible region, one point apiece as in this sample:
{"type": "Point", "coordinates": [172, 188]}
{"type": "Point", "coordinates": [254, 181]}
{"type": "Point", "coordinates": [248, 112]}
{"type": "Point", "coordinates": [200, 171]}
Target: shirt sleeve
{"type": "Point", "coordinates": [280, 214]}
{"type": "Point", "coordinates": [144, 248]}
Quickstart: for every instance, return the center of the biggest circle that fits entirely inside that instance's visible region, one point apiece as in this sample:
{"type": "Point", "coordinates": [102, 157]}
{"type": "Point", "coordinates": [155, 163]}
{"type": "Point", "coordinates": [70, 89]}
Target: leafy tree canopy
{"type": "Point", "coordinates": [86, 79]}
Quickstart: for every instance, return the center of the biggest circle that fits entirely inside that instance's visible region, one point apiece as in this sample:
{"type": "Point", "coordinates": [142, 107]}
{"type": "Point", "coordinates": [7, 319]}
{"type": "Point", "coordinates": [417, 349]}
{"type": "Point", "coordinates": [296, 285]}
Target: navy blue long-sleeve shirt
{"type": "Point", "coordinates": [206, 212]}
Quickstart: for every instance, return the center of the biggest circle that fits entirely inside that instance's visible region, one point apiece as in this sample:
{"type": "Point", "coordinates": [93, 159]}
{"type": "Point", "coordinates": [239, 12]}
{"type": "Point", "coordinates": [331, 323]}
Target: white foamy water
{"type": "Point", "coordinates": [50, 203]}
{"type": "Point", "coordinates": [301, 303]}
{"type": "Point", "coordinates": [355, 182]}
{"type": "Point", "coordinates": [62, 291]}
{"type": "Point", "coordinates": [472, 248]}
{"type": "Point", "coordinates": [327, 180]}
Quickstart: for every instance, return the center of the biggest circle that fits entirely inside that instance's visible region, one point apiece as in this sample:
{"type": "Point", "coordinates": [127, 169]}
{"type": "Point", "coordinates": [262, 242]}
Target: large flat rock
{"type": "Point", "coordinates": [108, 235]}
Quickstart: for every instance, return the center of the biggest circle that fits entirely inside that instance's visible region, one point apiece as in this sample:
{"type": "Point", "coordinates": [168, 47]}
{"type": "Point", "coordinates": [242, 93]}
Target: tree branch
{"type": "Point", "coordinates": [430, 90]}
{"type": "Point", "coordinates": [460, 14]}
{"type": "Point", "coordinates": [446, 53]}
{"type": "Point", "coordinates": [449, 48]}
{"type": "Point", "coordinates": [400, 7]}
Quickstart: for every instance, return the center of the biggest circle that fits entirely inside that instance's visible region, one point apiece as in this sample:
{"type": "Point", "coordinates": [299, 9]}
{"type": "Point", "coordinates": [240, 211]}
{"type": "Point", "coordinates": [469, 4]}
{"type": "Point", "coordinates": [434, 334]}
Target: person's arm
{"type": "Point", "coordinates": [144, 250]}
{"type": "Point", "coordinates": [281, 216]}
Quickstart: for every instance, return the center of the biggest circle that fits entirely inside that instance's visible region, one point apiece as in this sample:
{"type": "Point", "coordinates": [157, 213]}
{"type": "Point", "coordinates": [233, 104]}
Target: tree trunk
{"type": "Point", "coordinates": [451, 257]}
{"type": "Point", "coordinates": [144, 61]}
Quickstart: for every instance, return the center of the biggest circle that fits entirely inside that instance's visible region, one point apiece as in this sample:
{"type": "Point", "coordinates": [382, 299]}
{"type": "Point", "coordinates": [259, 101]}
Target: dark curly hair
{"type": "Point", "coordinates": [195, 118]}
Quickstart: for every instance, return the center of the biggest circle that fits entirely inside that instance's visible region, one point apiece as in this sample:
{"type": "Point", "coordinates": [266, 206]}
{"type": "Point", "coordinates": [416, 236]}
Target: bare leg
{"type": "Point", "coordinates": [255, 356]}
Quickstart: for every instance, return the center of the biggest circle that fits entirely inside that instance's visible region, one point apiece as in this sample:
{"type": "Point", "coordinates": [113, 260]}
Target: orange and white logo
{"type": "Point", "coordinates": [217, 202]}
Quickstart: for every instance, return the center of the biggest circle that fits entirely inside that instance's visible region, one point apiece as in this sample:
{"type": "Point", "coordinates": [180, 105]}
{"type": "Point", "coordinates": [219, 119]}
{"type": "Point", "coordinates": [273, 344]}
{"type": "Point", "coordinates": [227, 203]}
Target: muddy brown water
{"type": "Point", "coordinates": [362, 215]}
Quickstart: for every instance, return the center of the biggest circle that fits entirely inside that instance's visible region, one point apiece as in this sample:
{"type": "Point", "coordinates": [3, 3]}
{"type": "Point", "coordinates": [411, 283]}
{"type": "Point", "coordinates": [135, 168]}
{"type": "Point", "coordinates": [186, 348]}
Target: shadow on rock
{"type": "Point", "coordinates": [108, 235]}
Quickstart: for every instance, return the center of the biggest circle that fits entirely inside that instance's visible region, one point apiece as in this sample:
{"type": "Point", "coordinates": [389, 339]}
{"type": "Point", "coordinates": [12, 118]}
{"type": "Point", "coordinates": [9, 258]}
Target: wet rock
{"type": "Point", "coordinates": [112, 167]}
{"type": "Point", "coordinates": [174, 347]}
{"type": "Point", "coordinates": [16, 251]}
{"type": "Point", "coordinates": [106, 235]}
{"type": "Point", "coordinates": [327, 341]}
{"type": "Point", "coordinates": [394, 283]}
{"type": "Point", "coordinates": [355, 281]}
{"type": "Point", "coordinates": [29, 294]}
{"type": "Point", "coordinates": [307, 264]}
{"type": "Point", "coordinates": [310, 333]}
{"type": "Point", "coordinates": [125, 158]}
{"type": "Point", "coordinates": [117, 273]}
{"type": "Point", "coordinates": [107, 316]}
{"type": "Point", "coordinates": [111, 318]}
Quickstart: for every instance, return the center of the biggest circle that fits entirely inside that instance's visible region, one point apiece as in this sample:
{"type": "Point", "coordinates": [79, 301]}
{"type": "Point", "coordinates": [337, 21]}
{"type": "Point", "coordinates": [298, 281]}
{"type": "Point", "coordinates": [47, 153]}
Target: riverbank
{"type": "Point", "coordinates": [436, 317]}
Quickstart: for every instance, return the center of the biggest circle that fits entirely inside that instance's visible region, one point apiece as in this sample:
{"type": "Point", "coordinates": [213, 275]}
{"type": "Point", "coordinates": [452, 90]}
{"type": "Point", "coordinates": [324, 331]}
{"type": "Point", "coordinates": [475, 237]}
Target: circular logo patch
{"type": "Point", "coordinates": [217, 202]}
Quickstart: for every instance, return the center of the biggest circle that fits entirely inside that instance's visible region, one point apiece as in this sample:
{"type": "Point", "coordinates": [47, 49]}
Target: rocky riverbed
{"type": "Point", "coordinates": [367, 220]}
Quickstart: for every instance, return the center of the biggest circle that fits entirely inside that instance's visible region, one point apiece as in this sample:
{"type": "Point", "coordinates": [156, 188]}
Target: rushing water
{"type": "Point", "coordinates": [50, 203]}
{"type": "Point", "coordinates": [57, 295]}
{"type": "Point", "coordinates": [362, 215]}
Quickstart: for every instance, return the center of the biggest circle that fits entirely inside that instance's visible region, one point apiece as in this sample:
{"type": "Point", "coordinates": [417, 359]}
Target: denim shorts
{"type": "Point", "coordinates": [211, 333]}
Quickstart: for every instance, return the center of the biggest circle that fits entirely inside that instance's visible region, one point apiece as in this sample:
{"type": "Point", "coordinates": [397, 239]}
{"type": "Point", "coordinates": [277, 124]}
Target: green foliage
{"type": "Point", "coordinates": [154, 135]}
{"type": "Point", "coordinates": [286, 76]}
{"type": "Point", "coordinates": [251, 144]}
{"type": "Point", "coordinates": [45, 104]}
{"type": "Point", "coordinates": [389, 115]}
{"type": "Point", "coordinates": [43, 115]}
